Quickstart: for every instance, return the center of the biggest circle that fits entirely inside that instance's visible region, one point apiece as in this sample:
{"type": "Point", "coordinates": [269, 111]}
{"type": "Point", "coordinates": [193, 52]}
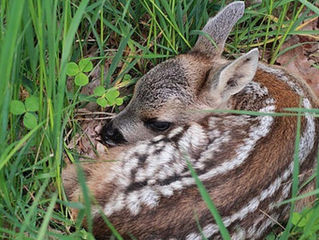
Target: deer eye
{"type": "Point", "coordinates": [157, 126]}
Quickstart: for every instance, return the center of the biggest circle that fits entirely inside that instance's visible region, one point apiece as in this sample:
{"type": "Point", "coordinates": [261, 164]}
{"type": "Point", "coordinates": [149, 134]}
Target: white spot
{"type": "Point", "coordinates": [193, 138]}
{"type": "Point", "coordinates": [149, 197]}
{"type": "Point", "coordinates": [155, 163]}
{"type": "Point", "coordinates": [133, 203]}
{"type": "Point", "coordinates": [208, 229]}
{"type": "Point", "coordinates": [114, 204]}
{"type": "Point", "coordinates": [158, 138]}
{"type": "Point", "coordinates": [175, 132]}
{"type": "Point", "coordinates": [263, 227]}
{"type": "Point", "coordinates": [129, 165]}
{"type": "Point", "coordinates": [256, 89]}
{"type": "Point", "coordinates": [240, 234]}
{"type": "Point", "coordinates": [193, 236]}
{"type": "Point", "coordinates": [167, 191]}
{"type": "Point", "coordinates": [151, 182]}
{"type": "Point", "coordinates": [177, 185]}
{"type": "Point", "coordinates": [308, 138]}
{"type": "Point", "coordinates": [214, 134]}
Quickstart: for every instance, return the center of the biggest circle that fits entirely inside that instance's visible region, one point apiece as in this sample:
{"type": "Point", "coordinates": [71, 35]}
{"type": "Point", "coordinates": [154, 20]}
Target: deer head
{"type": "Point", "coordinates": [171, 93]}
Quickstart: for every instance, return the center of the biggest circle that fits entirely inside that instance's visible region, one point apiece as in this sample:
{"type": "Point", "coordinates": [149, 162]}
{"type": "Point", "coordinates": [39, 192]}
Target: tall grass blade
{"type": "Point", "coordinates": [209, 203]}
{"type": "Point", "coordinates": [45, 223]}
{"type": "Point", "coordinates": [295, 176]}
{"type": "Point", "coordinates": [7, 51]}
{"type": "Point", "coordinates": [4, 158]}
{"type": "Point", "coordinates": [310, 6]}
{"type": "Point", "coordinates": [32, 210]}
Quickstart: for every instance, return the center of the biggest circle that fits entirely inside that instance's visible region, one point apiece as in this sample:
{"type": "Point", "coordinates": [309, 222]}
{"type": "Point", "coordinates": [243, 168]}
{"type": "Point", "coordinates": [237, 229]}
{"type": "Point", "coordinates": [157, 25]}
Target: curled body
{"type": "Point", "coordinates": [244, 161]}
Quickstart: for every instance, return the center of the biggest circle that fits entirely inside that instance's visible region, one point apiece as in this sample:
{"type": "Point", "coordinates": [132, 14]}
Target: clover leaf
{"type": "Point", "coordinates": [28, 108]}
{"type": "Point", "coordinates": [99, 91]}
{"type": "Point", "coordinates": [85, 65]}
{"type": "Point", "coordinates": [119, 101]}
{"type": "Point", "coordinates": [78, 71]}
{"type": "Point", "coordinates": [109, 97]}
{"type": "Point", "coordinates": [81, 79]}
{"type": "Point", "coordinates": [72, 69]}
{"type": "Point", "coordinates": [17, 107]}
{"type": "Point", "coordinates": [30, 121]}
{"type": "Point", "coordinates": [102, 102]}
{"type": "Point", "coordinates": [32, 104]}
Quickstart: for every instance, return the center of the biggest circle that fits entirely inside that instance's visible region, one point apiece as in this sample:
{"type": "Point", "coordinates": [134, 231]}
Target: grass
{"type": "Point", "coordinates": [211, 206]}
{"type": "Point", "coordinates": [37, 40]}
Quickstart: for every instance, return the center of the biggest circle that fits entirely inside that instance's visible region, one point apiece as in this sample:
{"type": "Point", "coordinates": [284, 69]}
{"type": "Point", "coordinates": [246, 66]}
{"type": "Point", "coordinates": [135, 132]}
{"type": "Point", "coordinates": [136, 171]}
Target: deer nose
{"type": "Point", "coordinates": [111, 135]}
{"type": "Point", "coordinates": [109, 131]}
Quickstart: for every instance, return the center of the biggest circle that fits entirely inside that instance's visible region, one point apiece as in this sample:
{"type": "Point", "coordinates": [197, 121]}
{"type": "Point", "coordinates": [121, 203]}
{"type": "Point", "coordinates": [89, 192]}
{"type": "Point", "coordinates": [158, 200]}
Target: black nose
{"type": "Point", "coordinates": [111, 135]}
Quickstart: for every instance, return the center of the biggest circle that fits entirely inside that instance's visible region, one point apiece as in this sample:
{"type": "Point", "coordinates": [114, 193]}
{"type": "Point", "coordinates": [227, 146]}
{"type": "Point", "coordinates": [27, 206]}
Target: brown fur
{"type": "Point", "coordinates": [177, 91]}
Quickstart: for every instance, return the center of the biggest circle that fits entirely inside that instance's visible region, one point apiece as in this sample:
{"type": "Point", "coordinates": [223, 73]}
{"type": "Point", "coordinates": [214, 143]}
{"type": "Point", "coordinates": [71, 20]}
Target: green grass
{"type": "Point", "coordinates": [210, 205]}
{"type": "Point", "coordinates": [39, 37]}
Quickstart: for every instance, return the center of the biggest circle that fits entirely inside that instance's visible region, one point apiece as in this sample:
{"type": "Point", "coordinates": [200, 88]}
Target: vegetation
{"type": "Point", "coordinates": [38, 41]}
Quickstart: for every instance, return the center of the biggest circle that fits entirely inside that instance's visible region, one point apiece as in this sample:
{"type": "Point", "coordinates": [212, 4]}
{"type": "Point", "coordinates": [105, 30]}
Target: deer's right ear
{"type": "Point", "coordinates": [218, 28]}
{"type": "Point", "coordinates": [234, 77]}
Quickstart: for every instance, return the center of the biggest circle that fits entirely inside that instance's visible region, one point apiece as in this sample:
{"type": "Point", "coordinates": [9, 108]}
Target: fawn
{"type": "Point", "coordinates": [245, 161]}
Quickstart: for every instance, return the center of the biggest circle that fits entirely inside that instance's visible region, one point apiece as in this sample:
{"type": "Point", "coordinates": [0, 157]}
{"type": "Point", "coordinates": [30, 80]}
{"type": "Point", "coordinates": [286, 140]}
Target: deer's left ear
{"type": "Point", "coordinates": [218, 28]}
{"type": "Point", "coordinates": [235, 76]}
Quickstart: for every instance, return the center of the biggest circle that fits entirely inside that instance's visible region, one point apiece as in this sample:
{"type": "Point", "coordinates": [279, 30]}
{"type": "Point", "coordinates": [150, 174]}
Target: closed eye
{"type": "Point", "coordinates": [157, 126]}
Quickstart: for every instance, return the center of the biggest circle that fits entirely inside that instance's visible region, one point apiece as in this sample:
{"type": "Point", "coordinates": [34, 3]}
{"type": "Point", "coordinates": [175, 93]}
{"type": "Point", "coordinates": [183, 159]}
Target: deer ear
{"type": "Point", "coordinates": [218, 28]}
{"type": "Point", "coordinates": [235, 76]}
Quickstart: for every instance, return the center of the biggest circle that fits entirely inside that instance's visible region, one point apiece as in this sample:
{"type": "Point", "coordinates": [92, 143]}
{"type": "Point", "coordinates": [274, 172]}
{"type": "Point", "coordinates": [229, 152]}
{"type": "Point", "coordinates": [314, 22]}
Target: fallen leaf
{"type": "Point", "coordinates": [302, 59]}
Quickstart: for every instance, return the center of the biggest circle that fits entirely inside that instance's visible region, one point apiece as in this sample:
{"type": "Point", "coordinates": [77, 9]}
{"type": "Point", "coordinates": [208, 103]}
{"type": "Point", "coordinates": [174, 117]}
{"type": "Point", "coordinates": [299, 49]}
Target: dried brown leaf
{"type": "Point", "coordinates": [300, 60]}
